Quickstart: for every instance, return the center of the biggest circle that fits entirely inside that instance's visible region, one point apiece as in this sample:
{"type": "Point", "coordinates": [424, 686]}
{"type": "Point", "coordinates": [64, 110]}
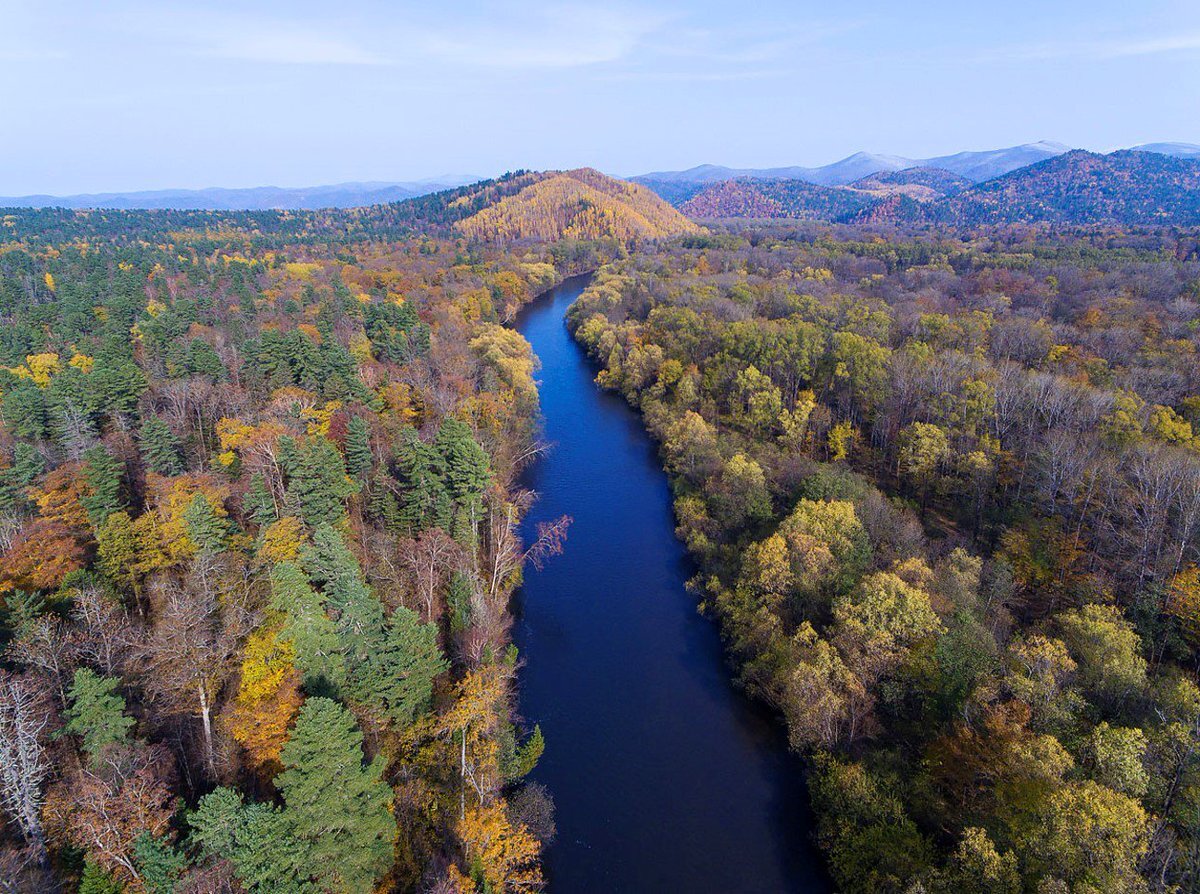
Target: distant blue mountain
{"type": "Point", "coordinates": [975, 166]}
{"type": "Point", "coordinates": [340, 195]}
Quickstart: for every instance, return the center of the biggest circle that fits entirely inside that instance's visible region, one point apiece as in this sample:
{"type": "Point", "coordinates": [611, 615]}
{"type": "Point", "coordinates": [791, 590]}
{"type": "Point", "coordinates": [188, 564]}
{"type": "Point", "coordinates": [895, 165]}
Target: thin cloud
{"type": "Point", "coordinates": [1114, 48]}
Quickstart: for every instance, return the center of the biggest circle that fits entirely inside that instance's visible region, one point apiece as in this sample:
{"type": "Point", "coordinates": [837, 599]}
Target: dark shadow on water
{"type": "Point", "coordinates": [666, 778]}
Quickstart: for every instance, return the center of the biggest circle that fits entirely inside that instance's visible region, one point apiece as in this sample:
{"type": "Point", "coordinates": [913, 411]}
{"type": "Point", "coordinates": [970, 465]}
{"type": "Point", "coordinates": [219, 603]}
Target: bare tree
{"type": "Point", "coordinates": [24, 716]}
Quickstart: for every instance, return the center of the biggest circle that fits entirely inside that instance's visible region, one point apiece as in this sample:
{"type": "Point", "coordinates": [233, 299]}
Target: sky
{"type": "Point", "coordinates": [146, 94]}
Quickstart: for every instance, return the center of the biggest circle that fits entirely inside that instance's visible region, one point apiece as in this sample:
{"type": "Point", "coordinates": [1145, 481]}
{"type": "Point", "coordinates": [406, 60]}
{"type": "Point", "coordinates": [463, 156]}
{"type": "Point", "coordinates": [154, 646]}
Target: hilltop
{"type": "Point", "coordinates": [578, 204]}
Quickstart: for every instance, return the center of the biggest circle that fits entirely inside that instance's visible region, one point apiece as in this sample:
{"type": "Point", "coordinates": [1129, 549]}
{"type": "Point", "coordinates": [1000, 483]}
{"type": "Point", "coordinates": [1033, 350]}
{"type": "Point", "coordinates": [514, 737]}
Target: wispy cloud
{"type": "Point", "coordinates": [1098, 48]}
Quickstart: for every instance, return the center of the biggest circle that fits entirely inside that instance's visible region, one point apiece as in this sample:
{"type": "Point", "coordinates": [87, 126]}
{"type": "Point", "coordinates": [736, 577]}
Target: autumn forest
{"type": "Point", "coordinates": [261, 543]}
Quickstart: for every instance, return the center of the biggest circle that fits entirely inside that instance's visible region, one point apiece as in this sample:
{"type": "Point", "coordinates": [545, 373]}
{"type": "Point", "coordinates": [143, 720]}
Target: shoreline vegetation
{"type": "Point", "coordinates": [258, 533]}
{"type": "Point", "coordinates": [943, 496]}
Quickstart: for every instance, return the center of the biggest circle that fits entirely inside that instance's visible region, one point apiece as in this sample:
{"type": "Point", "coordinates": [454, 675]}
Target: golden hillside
{"type": "Point", "coordinates": [580, 204]}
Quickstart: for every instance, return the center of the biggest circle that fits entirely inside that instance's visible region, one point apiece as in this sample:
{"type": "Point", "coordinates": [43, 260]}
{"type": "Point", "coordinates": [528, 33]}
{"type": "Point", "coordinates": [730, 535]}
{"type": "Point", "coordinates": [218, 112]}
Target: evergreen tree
{"type": "Point", "coordinates": [159, 447]}
{"type": "Point", "coordinates": [383, 505]}
{"type": "Point", "coordinates": [207, 530]}
{"type": "Point", "coordinates": [308, 629]}
{"type": "Point", "coordinates": [96, 712]}
{"type": "Point", "coordinates": [338, 808]}
{"type": "Point", "coordinates": [257, 839]}
{"type": "Point", "coordinates": [317, 482]}
{"type": "Point", "coordinates": [358, 448]}
{"type": "Point", "coordinates": [258, 503]}
{"type": "Point", "coordinates": [97, 880]}
{"type": "Point", "coordinates": [103, 472]}
{"type": "Point", "coordinates": [27, 465]}
{"type": "Point", "coordinates": [159, 864]}
{"type": "Point", "coordinates": [390, 662]}
{"type": "Point", "coordinates": [459, 599]}
{"type": "Point", "coordinates": [467, 475]}
{"type": "Point", "coordinates": [424, 500]}
{"type": "Point", "coordinates": [24, 410]}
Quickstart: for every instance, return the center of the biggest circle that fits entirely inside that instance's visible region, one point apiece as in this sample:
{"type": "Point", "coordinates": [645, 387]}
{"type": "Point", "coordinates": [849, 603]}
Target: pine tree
{"type": "Point", "coordinates": [96, 712]}
{"type": "Point", "coordinates": [258, 503]}
{"type": "Point", "coordinates": [159, 864]}
{"type": "Point", "coordinates": [207, 530]}
{"type": "Point", "coordinates": [256, 838]}
{"type": "Point", "coordinates": [159, 447]}
{"type": "Point", "coordinates": [424, 500]}
{"type": "Point", "coordinates": [467, 476]}
{"type": "Point", "coordinates": [358, 448]}
{"type": "Point", "coordinates": [390, 662]}
{"type": "Point", "coordinates": [317, 482]}
{"type": "Point", "coordinates": [383, 505]}
{"type": "Point", "coordinates": [337, 807]}
{"type": "Point", "coordinates": [103, 472]}
{"type": "Point", "coordinates": [97, 880]}
{"type": "Point", "coordinates": [27, 465]}
{"type": "Point", "coordinates": [308, 629]}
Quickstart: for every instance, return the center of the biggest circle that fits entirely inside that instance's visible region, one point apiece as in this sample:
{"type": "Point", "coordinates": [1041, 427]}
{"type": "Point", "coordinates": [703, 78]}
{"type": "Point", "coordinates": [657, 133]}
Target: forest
{"type": "Point", "coordinates": [942, 492]}
{"type": "Point", "coordinates": [258, 532]}
{"type": "Point", "coordinates": [260, 506]}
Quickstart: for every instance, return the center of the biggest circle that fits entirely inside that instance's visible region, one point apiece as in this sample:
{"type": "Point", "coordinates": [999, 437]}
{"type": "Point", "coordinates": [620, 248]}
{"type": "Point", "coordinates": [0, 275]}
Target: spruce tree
{"type": "Point", "coordinates": [103, 472]}
{"type": "Point", "coordinates": [97, 880]}
{"type": "Point", "coordinates": [383, 505]}
{"type": "Point", "coordinates": [159, 447]}
{"type": "Point", "coordinates": [159, 864]}
{"type": "Point", "coordinates": [467, 475]}
{"type": "Point", "coordinates": [424, 500]}
{"type": "Point", "coordinates": [336, 806]}
{"type": "Point", "coordinates": [96, 712]}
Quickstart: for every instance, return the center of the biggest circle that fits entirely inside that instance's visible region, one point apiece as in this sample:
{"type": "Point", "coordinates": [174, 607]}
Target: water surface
{"type": "Point", "coordinates": [666, 778]}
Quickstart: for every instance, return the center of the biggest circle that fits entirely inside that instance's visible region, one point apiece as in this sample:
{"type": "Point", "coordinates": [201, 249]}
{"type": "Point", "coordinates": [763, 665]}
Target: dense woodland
{"type": "Point", "coordinates": [259, 511]}
{"type": "Point", "coordinates": [944, 497]}
{"type": "Point", "coordinates": [258, 532]}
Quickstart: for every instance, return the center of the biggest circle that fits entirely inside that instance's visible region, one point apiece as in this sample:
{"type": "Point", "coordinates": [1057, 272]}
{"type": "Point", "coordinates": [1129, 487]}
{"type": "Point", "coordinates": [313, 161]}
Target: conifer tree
{"type": "Point", "coordinates": [390, 662]}
{"type": "Point", "coordinates": [358, 448]}
{"type": "Point", "coordinates": [103, 472]}
{"type": "Point", "coordinates": [466, 475]}
{"type": "Point", "coordinates": [159, 864]}
{"type": "Point", "coordinates": [317, 481]}
{"type": "Point", "coordinates": [96, 712]}
{"type": "Point", "coordinates": [383, 505]}
{"type": "Point", "coordinates": [160, 447]}
{"type": "Point", "coordinates": [207, 530]}
{"type": "Point", "coordinates": [258, 503]}
{"type": "Point", "coordinates": [97, 880]}
{"type": "Point", "coordinates": [308, 629]}
{"type": "Point", "coordinates": [337, 807]}
{"type": "Point", "coordinates": [424, 499]}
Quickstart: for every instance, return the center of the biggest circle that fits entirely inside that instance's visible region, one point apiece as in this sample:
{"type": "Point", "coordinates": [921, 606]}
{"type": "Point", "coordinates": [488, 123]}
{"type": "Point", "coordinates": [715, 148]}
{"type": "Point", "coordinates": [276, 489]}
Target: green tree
{"type": "Point", "coordinates": [207, 530]}
{"type": "Point", "coordinates": [466, 474]}
{"type": "Point", "coordinates": [358, 448]}
{"type": "Point", "coordinates": [159, 447]}
{"type": "Point", "coordinates": [159, 863]}
{"type": "Point", "coordinates": [308, 628]}
{"type": "Point", "coordinates": [258, 503]}
{"type": "Point", "coordinates": [103, 473]}
{"type": "Point", "coordinates": [316, 479]}
{"type": "Point", "coordinates": [97, 880]}
{"type": "Point", "coordinates": [96, 712]}
{"type": "Point", "coordinates": [337, 807]}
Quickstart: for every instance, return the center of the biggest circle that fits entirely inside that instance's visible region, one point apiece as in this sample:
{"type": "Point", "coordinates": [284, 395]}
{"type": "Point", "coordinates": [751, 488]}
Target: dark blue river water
{"type": "Point", "coordinates": [666, 778]}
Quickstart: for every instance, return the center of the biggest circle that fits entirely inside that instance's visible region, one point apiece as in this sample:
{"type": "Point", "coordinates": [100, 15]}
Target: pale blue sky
{"type": "Point", "coordinates": [135, 94]}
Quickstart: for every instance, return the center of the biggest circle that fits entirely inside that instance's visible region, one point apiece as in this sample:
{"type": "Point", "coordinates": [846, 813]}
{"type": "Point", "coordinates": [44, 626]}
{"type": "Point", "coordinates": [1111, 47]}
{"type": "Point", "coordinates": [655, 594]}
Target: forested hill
{"type": "Point", "coordinates": [1126, 188]}
{"type": "Point", "coordinates": [576, 205]}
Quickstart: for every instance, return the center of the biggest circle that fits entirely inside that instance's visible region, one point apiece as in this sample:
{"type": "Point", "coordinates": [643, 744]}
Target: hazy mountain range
{"type": "Point", "coordinates": [1123, 188]}
{"type": "Point", "coordinates": [338, 195]}
{"type": "Point", "coordinates": [679, 186]}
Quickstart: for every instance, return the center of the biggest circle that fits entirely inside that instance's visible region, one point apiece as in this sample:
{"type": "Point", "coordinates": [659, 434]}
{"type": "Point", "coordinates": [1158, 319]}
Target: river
{"type": "Point", "coordinates": [665, 777]}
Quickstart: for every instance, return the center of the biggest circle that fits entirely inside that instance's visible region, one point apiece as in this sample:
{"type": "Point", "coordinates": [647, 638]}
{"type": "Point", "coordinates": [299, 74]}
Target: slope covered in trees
{"type": "Point", "coordinates": [1078, 188]}
{"type": "Point", "coordinates": [258, 512]}
{"type": "Point", "coordinates": [945, 501]}
{"type": "Point", "coordinates": [580, 204]}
